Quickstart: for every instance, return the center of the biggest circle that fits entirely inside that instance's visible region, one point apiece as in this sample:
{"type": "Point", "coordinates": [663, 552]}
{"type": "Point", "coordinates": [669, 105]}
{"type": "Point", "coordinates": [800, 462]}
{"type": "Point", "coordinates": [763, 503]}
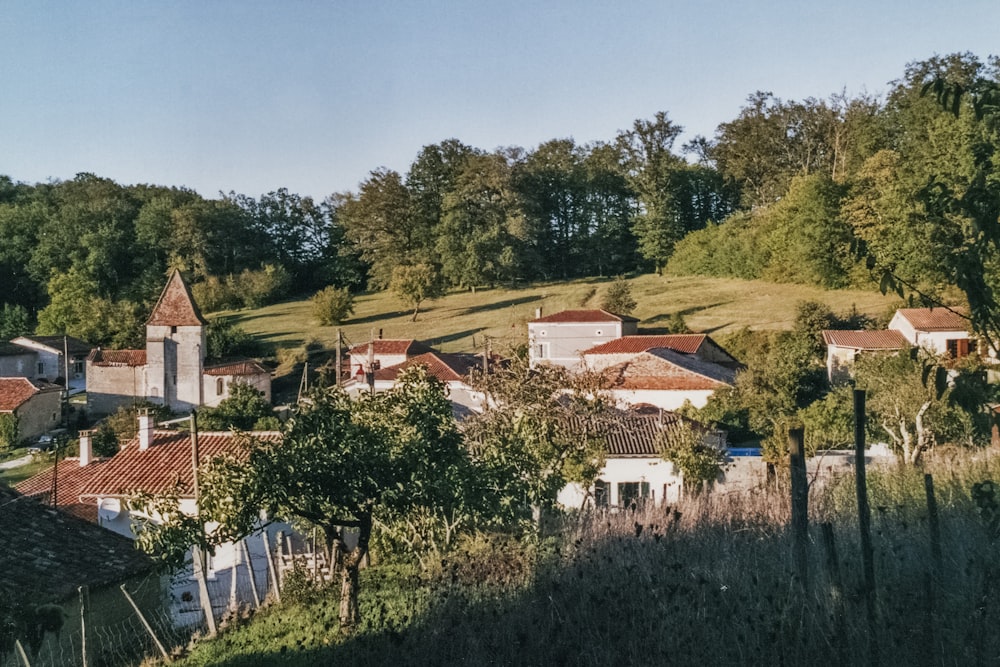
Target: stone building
{"type": "Point", "coordinates": [171, 371]}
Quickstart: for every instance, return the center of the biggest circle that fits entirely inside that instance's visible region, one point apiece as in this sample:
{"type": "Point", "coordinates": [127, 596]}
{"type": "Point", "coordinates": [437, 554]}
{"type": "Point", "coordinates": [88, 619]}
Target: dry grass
{"type": "Point", "coordinates": [460, 320]}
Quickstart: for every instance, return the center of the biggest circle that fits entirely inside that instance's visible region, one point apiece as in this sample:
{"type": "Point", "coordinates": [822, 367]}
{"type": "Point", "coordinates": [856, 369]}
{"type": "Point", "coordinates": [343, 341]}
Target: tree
{"type": "Point", "coordinates": [341, 463]}
{"type": "Point", "coordinates": [618, 297]}
{"type": "Point", "coordinates": [535, 436]}
{"type": "Point", "coordinates": [225, 338]}
{"type": "Point", "coordinates": [244, 409]}
{"type": "Point", "coordinates": [415, 284]}
{"type": "Point", "coordinates": [14, 322]}
{"type": "Point", "coordinates": [914, 402]}
{"type": "Point", "coordinates": [332, 305]}
{"type": "Point", "coordinates": [76, 309]}
{"type": "Point", "coordinates": [9, 432]}
{"type": "Point", "coordinates": [687, 447]}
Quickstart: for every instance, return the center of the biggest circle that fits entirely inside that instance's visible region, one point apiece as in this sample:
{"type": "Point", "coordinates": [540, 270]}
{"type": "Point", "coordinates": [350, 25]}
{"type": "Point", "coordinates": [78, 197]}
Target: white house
{"type": "Point", "coordinates": [561, 338]}
{"type": "Point", "coordinates": [450, 368]}
{"type": "Point", "coordinates": [940, 330]}
{"type": "Point", "coordinates": [666, 379]}
{"type": "Point", "coordinates": [383, 353]}
{"type": "Point", "coordinates": [171, 371]}
{"type": "Point", "coordinates": [157, 461]}
{"type": "Point", "coordinates": [57, 356]}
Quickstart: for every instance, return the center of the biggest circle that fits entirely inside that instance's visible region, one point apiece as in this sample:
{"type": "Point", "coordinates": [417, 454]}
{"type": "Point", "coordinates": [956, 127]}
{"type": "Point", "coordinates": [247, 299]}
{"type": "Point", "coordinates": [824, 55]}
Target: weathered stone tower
{"type": "Point", "coordinates": [175, 348]}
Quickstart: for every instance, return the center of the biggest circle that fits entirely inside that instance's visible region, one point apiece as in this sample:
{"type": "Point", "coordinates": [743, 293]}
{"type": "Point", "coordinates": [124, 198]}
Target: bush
{"type": "Point", "coordinates": [226, 339]}
{"type": "Point", "coordinates": [618, 297]}
{"type": "Point", "coordinates": [332, 305]}
{"type": "Point", "coordinates": [9, 436]}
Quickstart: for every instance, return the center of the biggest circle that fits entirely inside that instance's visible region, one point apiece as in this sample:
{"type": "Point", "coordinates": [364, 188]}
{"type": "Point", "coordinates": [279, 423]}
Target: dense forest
{"type": "Point", "coordinates": [822, 191]}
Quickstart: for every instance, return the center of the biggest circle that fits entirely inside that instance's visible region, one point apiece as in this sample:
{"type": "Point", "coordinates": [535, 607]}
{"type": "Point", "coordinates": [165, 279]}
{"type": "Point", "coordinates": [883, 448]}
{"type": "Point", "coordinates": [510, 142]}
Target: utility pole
{"type": "Point", "coordinates": [339, 361]}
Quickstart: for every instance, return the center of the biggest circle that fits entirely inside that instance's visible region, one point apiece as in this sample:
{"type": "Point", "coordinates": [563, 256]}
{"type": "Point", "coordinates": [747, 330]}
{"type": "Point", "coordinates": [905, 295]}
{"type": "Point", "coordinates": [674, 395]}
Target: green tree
{"type": "Point", "coordinates": [225, 338]}
{"type": "Point", "coordinates": [415, 284]}
{"type": "Point", "coordinates": [76, 309]}
{"type": "Point", "coordinates": [244, 409]}
{"type": "Point", "coordinates": [14, 322]}
{"type": "Point", "coordinates": [534, 437]}
{"type": "Point", "coordinates": [341, 463]}
{"type": "Point", "coordinates": [618, 297]}
{"type": "Point", "coordinates": [687, 447]}
{"type": "Point", "coordinates": [9, 432]}
{"type": "Point", "coordinates": [332, 305]}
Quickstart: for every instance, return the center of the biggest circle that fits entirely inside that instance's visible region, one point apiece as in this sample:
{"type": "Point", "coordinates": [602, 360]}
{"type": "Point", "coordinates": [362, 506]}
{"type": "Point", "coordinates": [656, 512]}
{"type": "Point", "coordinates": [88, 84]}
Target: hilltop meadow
{"type": "Point", "coordinates": [461, 320]}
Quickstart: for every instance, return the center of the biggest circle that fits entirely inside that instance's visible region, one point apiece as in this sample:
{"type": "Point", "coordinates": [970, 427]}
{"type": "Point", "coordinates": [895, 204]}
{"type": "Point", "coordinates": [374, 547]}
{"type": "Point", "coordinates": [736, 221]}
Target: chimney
{"type": "Point", "coordinates": [145, 429]}
{"type": "Point", "coordinates": [538, 313]}
{"type": "Point", "coordinates": [86, 448]}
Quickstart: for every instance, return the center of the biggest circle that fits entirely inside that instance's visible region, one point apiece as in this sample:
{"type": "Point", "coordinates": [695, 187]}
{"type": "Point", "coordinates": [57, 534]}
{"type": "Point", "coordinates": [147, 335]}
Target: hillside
{"type": "Point", "coordinates": [460, 320]}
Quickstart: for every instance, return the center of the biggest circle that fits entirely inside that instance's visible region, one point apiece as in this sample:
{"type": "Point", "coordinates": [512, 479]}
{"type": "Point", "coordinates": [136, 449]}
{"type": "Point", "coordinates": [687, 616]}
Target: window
{"type": "Point", "coordinates": [600, 332]}
{"type": "Point", "coordinates": [542, 351]}
{"type": "Point", "coordinates": [957, 348]}
{"type": "Point", "coordinates": [173, 330]}
{"type": "Point", "coordinates": [220, 386]}
{"type": "Point", "coordinates": [41, 368]}
{"type": "Point", "coordinates": [175, 379]}
{"type": "Point", "coordinates": [632, 494]}
{"type": "Point", "coordinates": [600, 493]}
{"type": "Point", "coordinates": [78, 367]}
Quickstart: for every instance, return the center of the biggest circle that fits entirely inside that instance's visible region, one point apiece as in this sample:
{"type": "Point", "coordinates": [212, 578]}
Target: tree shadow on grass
{"type": "Point", "coordinates": [453, 337]}
{"type": "Point", "coordinates": [499, 305]}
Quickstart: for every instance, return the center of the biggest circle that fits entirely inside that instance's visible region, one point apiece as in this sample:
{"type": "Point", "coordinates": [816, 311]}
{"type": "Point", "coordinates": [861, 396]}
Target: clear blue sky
{"type": "Point", "coordinates": [253, 96]}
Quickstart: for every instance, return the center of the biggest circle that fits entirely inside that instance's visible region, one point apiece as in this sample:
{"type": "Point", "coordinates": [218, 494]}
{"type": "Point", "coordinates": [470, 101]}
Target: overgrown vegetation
{"type": "Point", "coordinates": [646, 586]}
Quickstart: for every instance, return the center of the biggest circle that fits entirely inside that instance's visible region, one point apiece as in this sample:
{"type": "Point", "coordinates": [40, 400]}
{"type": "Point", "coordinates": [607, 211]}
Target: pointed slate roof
{"type": "Point", "coordinates": [176, 306]}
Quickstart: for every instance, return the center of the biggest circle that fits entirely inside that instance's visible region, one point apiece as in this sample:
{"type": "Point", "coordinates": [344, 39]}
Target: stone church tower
{"type": "Point", "coordinates": [175, 348]}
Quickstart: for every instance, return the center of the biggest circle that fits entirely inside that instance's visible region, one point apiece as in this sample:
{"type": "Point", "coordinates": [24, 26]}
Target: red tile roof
{"type": "Point", "coordinates": [865, 339]}
{"type": "Point", "coordinates": [666, 370]}
{"type": "Point", "coordinates": [14, 392]}
{"type": "Point", "coordinates": [584, 316]}
{"type": "Point", "coordinates": [165, 465]}
{"type": "Point", "coordinates": [383, 346]}
{"type": "Point", "coordinates": [236, 367]}
{"type": "Point", "coordinates": [70, 480]}
{"type": "Point", "coordinates": [685, 343]}
{"type": "Point", "coordinates": [99, 357]}
{"type": "Point", "coordinates": [176, 306]}
{"type": "Point", "coordinates": [443, 366]}
{"type": "Point", "coordinates": [934, 319]}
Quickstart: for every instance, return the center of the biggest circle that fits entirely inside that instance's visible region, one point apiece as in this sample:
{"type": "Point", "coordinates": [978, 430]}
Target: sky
{"type": "Point", "coordinates": [251, 96]}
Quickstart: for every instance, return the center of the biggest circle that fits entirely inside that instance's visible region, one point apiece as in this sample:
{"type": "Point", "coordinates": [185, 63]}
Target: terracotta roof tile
{"type": "Point", "coordinates": [176, 306]}
{"type": "Point", "coordinates": [165, 465]}
{"type": "Point", "coordinates": [584, 316]}
{"type": "Point", "coordinates": [934, 319]}
{"type": "Point", "coordinates": [384, 346]}
{"type": "Point", "coordinates": [14, 392]}
{"type": "Point", "coordinates": [445, 367]}
{"type": "Point", "coordinates": [236, 367]}
{"type": "Point", "coordinates": [70, 480]}
{"type": "Point", "coordinates": [663, 369]}
{"type": "Point", "coordinates": [685, 343]}
{"type": "Point", "coordinates": [99, 357]}
{"type": "Point", "coordinates": [881, 339]}
{"type": "Point", "coordinates": [49, 553]}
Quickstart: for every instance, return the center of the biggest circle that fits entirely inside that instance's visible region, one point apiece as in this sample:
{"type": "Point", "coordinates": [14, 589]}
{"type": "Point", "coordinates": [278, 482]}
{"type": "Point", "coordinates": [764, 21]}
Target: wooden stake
{"type": "Point", "coordinates": [250, 573]}
{"type": "Point", "coordinates": [271, 570]}
{"type": "Point", "coordinates": [865, 523]}
{"type": "Point", "coordinates": [21, 653]}
{"type": "Point", "coordinates": [800, 505]}
{"type": "Point", "coordinates": [82, 590]}
{"type": "Point", "coordinates": [145, 624]}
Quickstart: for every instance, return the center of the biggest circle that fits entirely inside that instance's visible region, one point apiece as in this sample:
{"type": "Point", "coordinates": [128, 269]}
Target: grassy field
{"type": "Point", "coordinates": [459, 321]}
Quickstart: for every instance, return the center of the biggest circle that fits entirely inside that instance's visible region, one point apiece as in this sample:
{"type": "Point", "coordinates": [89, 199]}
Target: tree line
{"type": "Point", "coordinates": [815, 191]}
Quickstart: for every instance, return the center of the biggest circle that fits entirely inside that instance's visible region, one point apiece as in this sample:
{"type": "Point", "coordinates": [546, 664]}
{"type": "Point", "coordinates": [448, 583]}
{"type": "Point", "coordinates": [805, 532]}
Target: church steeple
{"type": "Point", "coordinates": [176, 306]}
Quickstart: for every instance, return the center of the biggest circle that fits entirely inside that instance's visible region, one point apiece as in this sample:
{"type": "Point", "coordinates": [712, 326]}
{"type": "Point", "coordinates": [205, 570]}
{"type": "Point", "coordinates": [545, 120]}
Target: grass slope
{"type": "Point", "coordinates": [459, 321]}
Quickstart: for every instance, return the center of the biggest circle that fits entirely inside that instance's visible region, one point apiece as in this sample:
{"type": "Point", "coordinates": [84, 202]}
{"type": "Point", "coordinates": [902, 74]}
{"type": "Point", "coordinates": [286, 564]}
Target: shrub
{"type": "Point", "coordinates": [618, 297]}
{"type": "Point", "coordinates": [9, 435]}
{"type": "Point", "coordinates": [332, 305]}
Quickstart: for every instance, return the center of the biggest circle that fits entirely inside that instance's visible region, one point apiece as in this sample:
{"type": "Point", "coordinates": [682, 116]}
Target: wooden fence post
{"type": "Point", "coordinates": [271, 569]}
{"type": "Point", "coordinates": [865, 523]}
{"type": "Point", "coordinates": [800, 504]}
{"type": "Point", "coordinates": [82, 590]}
{"type": "Point", "coordinates": [21, 653]}
{"type": "Point", "coordinates": [250, 573]}
{"type": "Point", "coordinates": [145, 624]}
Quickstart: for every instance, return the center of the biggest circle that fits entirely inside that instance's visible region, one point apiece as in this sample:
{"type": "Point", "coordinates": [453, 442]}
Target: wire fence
{"type": "Point", "coordinates": [162, 614]}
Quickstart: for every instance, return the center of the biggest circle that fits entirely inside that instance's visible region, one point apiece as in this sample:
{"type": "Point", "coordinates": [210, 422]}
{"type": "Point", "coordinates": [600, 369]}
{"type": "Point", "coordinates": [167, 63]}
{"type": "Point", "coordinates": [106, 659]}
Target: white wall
{"type": "Point", "coordinates": [661, 398]}
{"type": "Point", "coordinates": [664, 481]}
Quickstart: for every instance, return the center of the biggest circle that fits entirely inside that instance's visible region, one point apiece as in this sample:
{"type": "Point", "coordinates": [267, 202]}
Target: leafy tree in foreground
{"type": "Point", "coordinates": [699, 461]}
{"type": "Point", "coordinates": [244, 409]}
{"type": "Point", "coordinates": [342, 463]}
{"type": "Point", "coordinates": [9, 432]}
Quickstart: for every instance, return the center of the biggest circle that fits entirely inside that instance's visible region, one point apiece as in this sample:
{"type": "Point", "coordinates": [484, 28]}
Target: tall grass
{"type": "Point", "coordinates": [708, 581]}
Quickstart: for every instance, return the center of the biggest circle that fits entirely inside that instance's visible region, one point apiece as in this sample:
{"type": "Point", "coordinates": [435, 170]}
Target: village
{"type": "Point", "coordinates": [646, 379]}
